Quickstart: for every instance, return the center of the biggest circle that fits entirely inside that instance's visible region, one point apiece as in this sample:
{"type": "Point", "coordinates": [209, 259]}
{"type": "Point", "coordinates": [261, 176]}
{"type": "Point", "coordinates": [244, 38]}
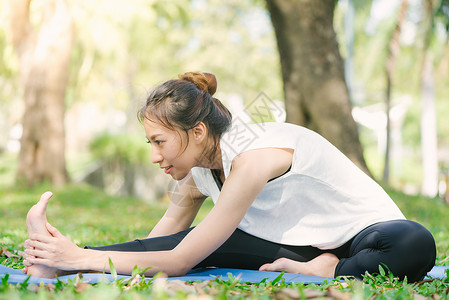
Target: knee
{"type": "Point", "coordinates": [406, 247]}
{"type": "Point", "coordinates": [417, 251]}
{"type": "Point", "coordinates": [416, 239]}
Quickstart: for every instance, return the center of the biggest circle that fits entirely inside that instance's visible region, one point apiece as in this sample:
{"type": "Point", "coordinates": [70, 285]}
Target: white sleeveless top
{"type": "Point", "coordinates": [323, 201]}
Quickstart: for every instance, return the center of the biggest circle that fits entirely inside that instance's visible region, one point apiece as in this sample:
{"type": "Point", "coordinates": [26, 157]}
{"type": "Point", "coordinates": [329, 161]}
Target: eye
{"type": "Point", "coordinates": [157, 142]}
{"type": "Point", "coordinates": [148, 141]}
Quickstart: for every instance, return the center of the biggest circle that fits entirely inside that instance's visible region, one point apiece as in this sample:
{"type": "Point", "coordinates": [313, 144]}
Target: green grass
{"type": "Point", "coordinates": [90, 217]}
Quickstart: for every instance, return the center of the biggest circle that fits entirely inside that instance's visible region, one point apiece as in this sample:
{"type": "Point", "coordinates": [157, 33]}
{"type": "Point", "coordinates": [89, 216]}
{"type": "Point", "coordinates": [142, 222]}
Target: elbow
{"type": "Point", "coordinates": [179, 265]}
{"type": "Point", "coordinates": [179, 269]}
{"type": "Point", "coordinates": [171, 270]}
{"type": "Point", "coordinates": [177, 272]}
{"type": "Point", "coordinates": [175, 265]}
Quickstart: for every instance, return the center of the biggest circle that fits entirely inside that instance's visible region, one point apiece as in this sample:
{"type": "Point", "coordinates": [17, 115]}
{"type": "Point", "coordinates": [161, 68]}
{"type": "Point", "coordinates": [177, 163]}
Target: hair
{"type": "Point", "coordinates": [185, 102]}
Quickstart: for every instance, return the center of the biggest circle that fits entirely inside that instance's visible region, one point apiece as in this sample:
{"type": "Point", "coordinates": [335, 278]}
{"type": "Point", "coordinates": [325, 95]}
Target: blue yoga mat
{"type": "Point", "coordinates": [251, 276]}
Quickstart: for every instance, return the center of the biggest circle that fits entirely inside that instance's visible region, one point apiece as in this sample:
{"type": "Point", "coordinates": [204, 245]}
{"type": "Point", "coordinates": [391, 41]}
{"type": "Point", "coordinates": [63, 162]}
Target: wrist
{"type": "Point", "coordinates": [93, 260]}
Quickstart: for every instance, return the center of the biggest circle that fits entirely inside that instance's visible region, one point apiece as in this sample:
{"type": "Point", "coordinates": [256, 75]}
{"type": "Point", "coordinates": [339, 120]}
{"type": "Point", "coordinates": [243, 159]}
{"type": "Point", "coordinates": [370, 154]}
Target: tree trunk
{"type": "Point", "coordinates": [44, 58]}
{"type": "Point", "coordinates": [429, 143]}
{"type": "Point", "coordinates": [393, 51]}
{"type": "Point", "coordinates": [316, 95]}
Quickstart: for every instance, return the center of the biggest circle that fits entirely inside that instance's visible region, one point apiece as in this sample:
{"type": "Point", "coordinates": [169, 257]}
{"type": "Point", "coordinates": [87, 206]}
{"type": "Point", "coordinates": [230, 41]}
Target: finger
{"type": "Point", "coordinates": [40, 237]}
{"type": "Point", "coordinates": [25, 270]}
{"type": "Point", "coordinates": [27, 244]}
{"type": "Point", "coordinates": [36, 253]}
{"type": "Point", "coordinates": [39, 261]}
{"type": "Point", "coordinates": [25, 255]}
{"type": "Point", "coordinates": [37, 245]}
{"type": "Point", "coordinates": [27, 264]}
{"type": "Point", "coordinates": [53, 231]}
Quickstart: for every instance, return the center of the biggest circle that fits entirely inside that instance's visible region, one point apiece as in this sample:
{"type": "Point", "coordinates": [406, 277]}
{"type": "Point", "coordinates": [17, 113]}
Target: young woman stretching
{"type": "Point", "coordinates": [285, 199]}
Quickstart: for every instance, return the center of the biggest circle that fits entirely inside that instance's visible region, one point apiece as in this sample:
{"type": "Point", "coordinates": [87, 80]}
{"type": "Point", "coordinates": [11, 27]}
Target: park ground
{"type": "Point", "coordinates": [91, 217]}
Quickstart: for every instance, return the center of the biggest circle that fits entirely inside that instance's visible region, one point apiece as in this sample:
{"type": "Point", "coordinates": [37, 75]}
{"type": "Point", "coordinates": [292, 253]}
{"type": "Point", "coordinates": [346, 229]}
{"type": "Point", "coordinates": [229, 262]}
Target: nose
{"type": "Point", "coordinates": [156, 157]}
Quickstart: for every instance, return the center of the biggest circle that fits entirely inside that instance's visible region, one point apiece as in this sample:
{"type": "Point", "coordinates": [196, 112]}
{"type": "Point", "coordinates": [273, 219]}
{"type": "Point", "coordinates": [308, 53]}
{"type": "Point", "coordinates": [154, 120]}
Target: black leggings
{"type": "Point", "coordinates": [406, 247]}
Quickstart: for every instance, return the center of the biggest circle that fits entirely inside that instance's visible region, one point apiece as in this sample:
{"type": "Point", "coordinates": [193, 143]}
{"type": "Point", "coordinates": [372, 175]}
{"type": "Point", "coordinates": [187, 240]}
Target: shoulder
{"type": "Point", "coordinates": [265, 163]}
{"type": "Point", "coordinates": [240, 131]}
{"type": "Point", "coordinates": [242, 137]}
{"type": "Point", "coordinates": [188, 187]}
{"type": "Point", "coordinates": [203, 180]}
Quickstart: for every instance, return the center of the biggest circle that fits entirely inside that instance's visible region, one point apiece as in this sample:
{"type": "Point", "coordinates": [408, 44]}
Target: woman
{"type": "Point", "coordinates": [285, 199]}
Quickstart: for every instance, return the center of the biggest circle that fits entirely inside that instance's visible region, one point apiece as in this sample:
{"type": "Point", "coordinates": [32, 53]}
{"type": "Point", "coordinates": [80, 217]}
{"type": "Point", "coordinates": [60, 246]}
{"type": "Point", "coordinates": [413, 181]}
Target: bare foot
{"type": "Point", "coordinates": [36, 220]}
{"type": "Point", "coordinates": [323, 265]}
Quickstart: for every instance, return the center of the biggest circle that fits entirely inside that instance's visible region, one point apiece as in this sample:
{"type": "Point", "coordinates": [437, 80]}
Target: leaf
{"type": "Point", "coordinates": [24, 284]}
{"type": "Point", "coordinates": [59, 284]}
{"type": "Point", "coordinates": [201, 286]}
{"type": "Point", "coordinates": [33, 288]}
{"type": "Point", "coordinates": [287, 293]}
{"type": "Point", "coordinates": [233, 280]}
{"type": "Point", "coordinates": [5, 280]}
{"type": "Point", "coordinates": [310, 293]}
{"type": "Point", "coordinates": [418, 297]}
{"type": "Point", "coordinates": [135, 280]}
{"type": "Point", "coordinates": [136, 271]}
{"type": "Point", "coordinates": [81, 286]}
{"type": "Point", "coordinates": [336, 294]}
{"type": "Point", "coordinates": [436, 297]}
{"type": "Point", "coordinates": [277, 279]}
{"type": "Point", "coordinates": [112, 269]}
{"type": "Point", "coordinates": [50, 287]}
{"type": "Point", "coordinates": [179, 285]}
{"type": "Point", "coordinates": [5, 252]}
{"type": "Point", "coordinates": [381, 270]}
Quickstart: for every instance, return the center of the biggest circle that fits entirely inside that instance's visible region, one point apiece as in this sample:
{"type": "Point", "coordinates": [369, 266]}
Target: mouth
{"type": "Point", "coordinates": [167, 169]}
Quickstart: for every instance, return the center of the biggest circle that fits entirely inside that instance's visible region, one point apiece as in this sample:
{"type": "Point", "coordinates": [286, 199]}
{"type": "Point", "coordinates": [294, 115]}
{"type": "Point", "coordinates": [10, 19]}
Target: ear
{"type": "Point", "coordinates": [199, 132]}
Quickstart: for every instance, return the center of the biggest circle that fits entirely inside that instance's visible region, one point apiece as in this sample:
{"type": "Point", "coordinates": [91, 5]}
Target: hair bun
{"type": "Point", "coordinates": [204, 81]}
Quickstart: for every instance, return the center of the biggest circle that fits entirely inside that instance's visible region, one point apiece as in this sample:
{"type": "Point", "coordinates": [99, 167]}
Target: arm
{"type": "Point", "coordinates": [250, 172]}
{"type": "Point", "coordinates": [185, 201]}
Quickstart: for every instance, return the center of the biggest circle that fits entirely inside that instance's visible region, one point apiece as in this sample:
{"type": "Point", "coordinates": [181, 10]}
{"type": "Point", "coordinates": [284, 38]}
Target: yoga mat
{"type": "Point", "coordinates": [251, 276]}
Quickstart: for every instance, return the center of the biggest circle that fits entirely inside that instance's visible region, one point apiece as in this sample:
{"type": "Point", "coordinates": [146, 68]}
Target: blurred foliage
{"type": "Point", "coordinates": [373, 26]}
{"type": "Point", "coordinates": [124, 167]}
{"type": "Point", "coordinates": [86, 214]}
{"type": "Point", "coordinates": [124, 48]}
{"type": "Point", "coordinates": [123, 148]}
{"type": "Point", "coordinates": [150, 41]}
{"type": "Point", "coordinates": [442, 13]}
{"type": "Point", "coordinates": [8, 166]}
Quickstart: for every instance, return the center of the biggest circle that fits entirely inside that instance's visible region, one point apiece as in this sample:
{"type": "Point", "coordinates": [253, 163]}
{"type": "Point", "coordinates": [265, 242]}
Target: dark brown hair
{"type": "Point", "coordinates": [185, 102]}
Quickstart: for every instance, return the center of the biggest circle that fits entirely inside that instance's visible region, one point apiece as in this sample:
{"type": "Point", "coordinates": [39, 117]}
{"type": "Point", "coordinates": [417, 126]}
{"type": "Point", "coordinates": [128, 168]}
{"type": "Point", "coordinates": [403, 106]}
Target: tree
{"type": "Point", "coordinates": [429, 144]}
{"type": "Point", "coordinates": [316, 94]}
{"type": "Point", "coordinates": [393, 51]}
{"type": "Point", "coordinates": [44, 51]}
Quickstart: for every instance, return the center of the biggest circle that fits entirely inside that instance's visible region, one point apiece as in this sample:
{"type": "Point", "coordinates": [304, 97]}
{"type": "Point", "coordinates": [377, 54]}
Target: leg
{"type": "Point", "coordinates": [245, 251]}
{"type": "Point", "coordinates": [316, 262]}
{"type": "Point", "coordinates": [35, 221]}
{"type": "Point", "coordinates": [406, 247]}
{"type": "Point", "coordinates": [241, 250]}
{"type": "Point", "coordinates": [323, 265]}
{"type": "Point", "coordinates": [152, 244]}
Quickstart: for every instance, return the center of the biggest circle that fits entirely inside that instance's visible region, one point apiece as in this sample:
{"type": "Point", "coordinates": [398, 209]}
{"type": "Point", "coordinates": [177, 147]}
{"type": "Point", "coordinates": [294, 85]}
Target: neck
{"type": "Point", "coordinates": [215, 163]}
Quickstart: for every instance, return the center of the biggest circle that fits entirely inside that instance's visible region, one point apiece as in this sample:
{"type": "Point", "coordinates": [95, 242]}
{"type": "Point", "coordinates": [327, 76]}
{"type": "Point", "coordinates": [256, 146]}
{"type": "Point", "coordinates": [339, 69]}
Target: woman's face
{"type": "Point", "coordinates": [169, 149]}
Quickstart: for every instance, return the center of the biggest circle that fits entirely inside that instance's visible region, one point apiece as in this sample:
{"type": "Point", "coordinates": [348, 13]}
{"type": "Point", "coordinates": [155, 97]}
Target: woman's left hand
{"type": "Point", "coordinates": [56, 251]}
